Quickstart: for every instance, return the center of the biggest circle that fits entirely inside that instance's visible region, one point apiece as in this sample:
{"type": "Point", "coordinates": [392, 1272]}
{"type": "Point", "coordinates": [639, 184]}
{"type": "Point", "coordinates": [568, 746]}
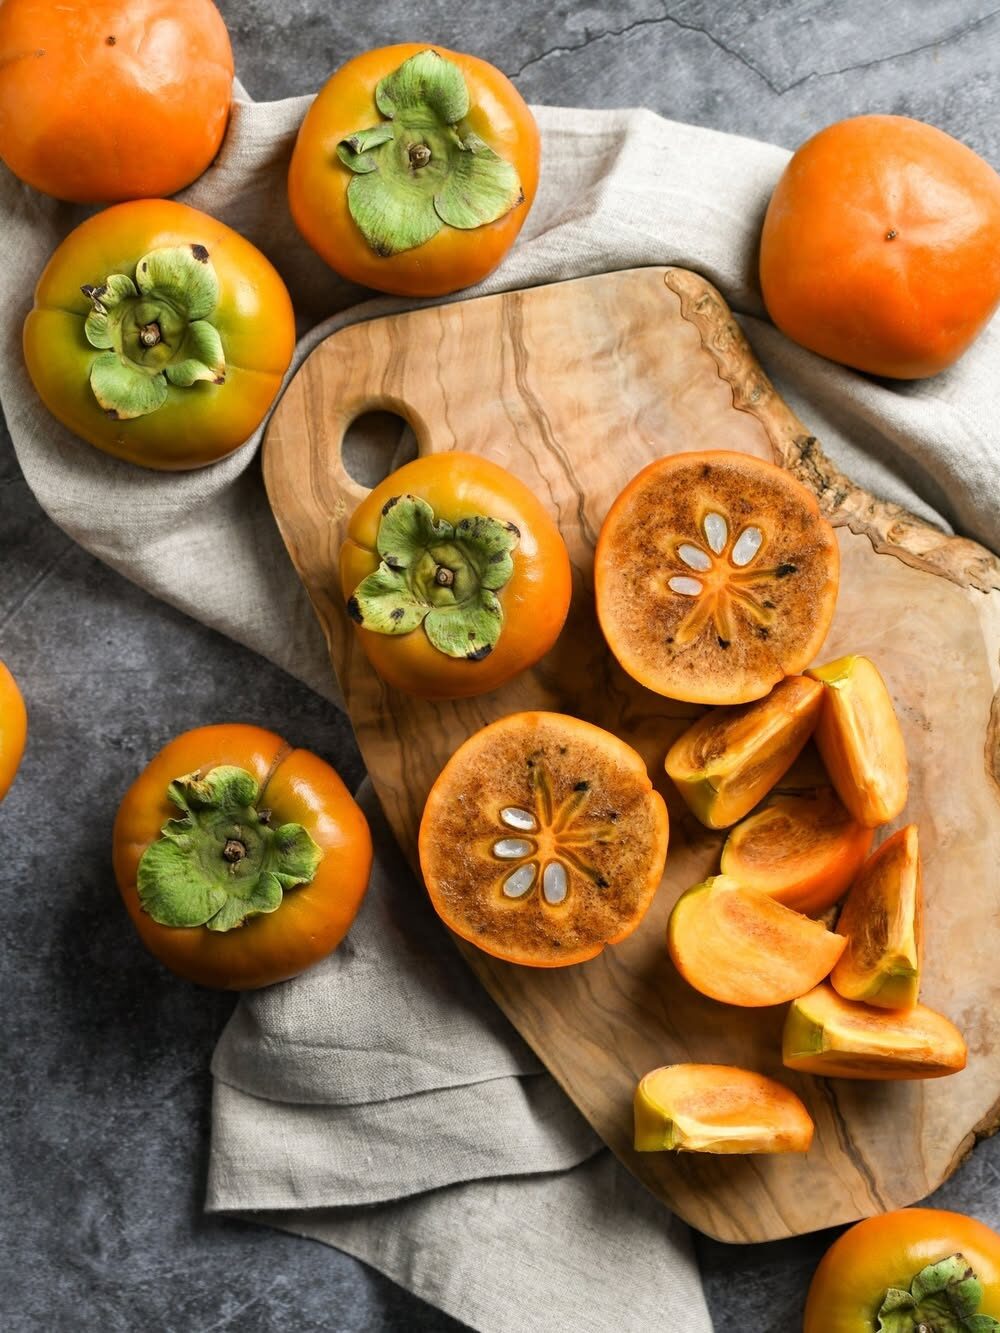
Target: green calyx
{"type": "Point", "coordinates": [442, 576]}
{"type": "Point", "coordinates": [221, 862]}
{"type": "Point", "coordinates": [942, 1298]}
{"type": "Point", "coordinates": [422, 168]}
{"type": "Point", "coordinates": [155, 330]}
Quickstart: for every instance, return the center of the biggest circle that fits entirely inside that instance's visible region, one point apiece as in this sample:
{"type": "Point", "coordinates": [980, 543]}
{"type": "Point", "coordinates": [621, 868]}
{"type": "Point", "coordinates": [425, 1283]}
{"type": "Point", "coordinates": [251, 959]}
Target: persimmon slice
{"type": "Point", "coordinates": [859, 738]}
{"type": "Point", "coordinates": [716, 575]}
{"type": "Point", "coordinates": [732, 757]}
{"type": "Point", "coordinates": [882, 919]}
{"type": "Point", "coordinates": [718, 1109]}
{"type": "Point", "coordinates": [803, 848]}
{"type": "Point", "coordinates": [740, 946]}
{"type": "Point", "coordinates": [542, 840]}
{"type": "Point", "coordinates": [826, 1034]}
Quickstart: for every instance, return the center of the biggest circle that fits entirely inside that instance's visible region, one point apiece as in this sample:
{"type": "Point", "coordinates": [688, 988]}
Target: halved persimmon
{"type": "Point", "coordinates": [732, 757]}
{"type": "Point", "coordinates": [803, 848]}
{"type": "Point", "coordinates": [716, 576]}
{"type": "Point", "coordinates": [883, 921]}
{"type": "Point", "coordinates": [718, 1109]}
{"type": "Point", "coordinates": [741, 947]}
{"type": "Point", "coordinates": [542, 840]}
{"type": "Point", "coordinates": [859, 738]}
{"type": "Point", "coordinates": [826, 1034]}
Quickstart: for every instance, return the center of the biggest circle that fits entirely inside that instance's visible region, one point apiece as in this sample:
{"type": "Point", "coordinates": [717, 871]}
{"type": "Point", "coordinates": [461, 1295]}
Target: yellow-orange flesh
{"type": "Point", "coordinates": [826, 1034]}
{"type": "Point", "coordinates": [859, 738]}
{"type": "Point", "coordinates": [741, 947]}
{"type": "Point", "coordinates": [732, 757]}
{"type": "Point", "coordinates": [882, 920]}
{"type": "Point", "coordinates": [718, 1109]}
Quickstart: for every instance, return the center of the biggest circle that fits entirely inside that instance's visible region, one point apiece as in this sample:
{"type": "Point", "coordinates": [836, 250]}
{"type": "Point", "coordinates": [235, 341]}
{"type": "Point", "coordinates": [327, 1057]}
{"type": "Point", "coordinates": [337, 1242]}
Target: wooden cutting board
{"type": "Point", "coordinates": [574, 387]}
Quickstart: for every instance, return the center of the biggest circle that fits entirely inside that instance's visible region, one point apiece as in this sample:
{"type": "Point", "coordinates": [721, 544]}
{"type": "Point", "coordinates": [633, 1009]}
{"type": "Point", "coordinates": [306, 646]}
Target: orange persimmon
{"type": "Point", "coordinates": [414, 169]}
{"type": "Point", "coordinates": [241, 860]}
{"type": "Point", "coordinates": [718, 1109]}
{"type": "Point", "coordinates": [542, 840]}
{"type": "Point", "coordinates": [13, 728]}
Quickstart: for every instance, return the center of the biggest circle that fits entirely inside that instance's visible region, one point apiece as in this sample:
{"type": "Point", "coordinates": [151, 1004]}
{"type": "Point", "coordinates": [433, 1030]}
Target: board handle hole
{"type": "Point", "coordinates": [375, 444]}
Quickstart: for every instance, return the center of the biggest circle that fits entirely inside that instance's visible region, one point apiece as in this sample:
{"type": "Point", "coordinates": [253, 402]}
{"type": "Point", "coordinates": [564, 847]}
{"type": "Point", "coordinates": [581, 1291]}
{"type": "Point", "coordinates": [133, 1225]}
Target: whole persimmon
{"type": "Point", "coordinates": [112, 99]}
{"type": "Point", "coordinates": [881, 246]}
{"type": "Point", "coordinates": [13, 728]}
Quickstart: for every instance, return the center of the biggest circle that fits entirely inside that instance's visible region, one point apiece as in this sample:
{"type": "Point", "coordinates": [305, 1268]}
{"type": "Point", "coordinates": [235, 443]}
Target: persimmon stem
{"type": "Point", "coordinates": [149, 334]}
{"type": "Point", "coordinates": [419, 155]}
{"type": "Point", "coordinates": [234, 851]}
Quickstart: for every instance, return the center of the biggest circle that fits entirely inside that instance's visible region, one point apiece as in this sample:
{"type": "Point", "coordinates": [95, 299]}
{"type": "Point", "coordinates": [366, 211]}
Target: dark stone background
{"type": "Point", "coordinates": [106, 1096]}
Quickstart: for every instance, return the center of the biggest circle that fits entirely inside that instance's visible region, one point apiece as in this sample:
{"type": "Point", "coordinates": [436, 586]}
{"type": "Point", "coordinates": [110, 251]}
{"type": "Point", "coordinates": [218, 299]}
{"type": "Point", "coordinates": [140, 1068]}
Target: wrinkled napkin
{"type": "Point", "coordinates": [380, 1103]}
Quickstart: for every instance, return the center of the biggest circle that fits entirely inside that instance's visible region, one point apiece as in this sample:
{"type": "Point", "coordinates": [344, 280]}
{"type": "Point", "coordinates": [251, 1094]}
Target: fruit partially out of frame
{"type": "Point", "coordinates": [741, 947]}
{"type": "Point", "coordinates": [718, 1109]}
{"type": "Point", "coordinates": [732, 757]}
{"type": "Point", "coordinates": [826, 1034]}
{"type": "Point", "coordinates": [882, 920]}
{"type": "Point", "coordinates": [859, 738]}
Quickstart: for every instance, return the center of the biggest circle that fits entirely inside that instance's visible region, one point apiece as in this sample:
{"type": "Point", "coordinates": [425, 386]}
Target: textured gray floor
{"type": "Point", "coordinates": [106, 1092]}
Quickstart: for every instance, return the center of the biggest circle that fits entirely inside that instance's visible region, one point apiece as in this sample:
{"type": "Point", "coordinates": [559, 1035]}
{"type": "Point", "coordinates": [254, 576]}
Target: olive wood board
{"type": "Point", "coordinates": [574, 387]}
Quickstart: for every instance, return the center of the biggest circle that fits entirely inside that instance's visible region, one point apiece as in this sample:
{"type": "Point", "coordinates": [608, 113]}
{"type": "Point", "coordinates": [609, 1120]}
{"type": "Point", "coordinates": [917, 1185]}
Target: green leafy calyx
{"type": "Point", "coordinates": [942, 1298]}
{"type": "Point", "coordinates": [154, 330]}
{"type": "Point", "coordinates": [422, 167]}
{"type": "Point", "coordinates": [221, 862]}
{"type": "Point", "coordinates": [444, 577]}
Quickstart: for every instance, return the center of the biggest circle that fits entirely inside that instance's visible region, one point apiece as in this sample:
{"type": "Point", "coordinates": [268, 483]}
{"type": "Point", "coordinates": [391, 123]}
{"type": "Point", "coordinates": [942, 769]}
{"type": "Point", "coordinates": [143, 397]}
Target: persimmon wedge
{"type": "Point", "coordinates": [860, 741]}
{"type": "Point", "coordinates": [718, 1109]}
{"type": "Point", "coordinates": [732, 757]}
{"type": "Point", "coordinates": [716, 576]}
{"type": "Point", "coordinates": [542, 840]}
{"type": "Point", "coordinates": [826, 1034]}
{"type": "Point", "coordinates": [882, 919]}
{"type": "Point", "coordinates": [803, 848]}
{"type": "Point", "coordinates": [741, 947]}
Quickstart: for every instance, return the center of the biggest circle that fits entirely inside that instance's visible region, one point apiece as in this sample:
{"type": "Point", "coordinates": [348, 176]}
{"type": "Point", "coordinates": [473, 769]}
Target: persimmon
{"type": "Point", "coordinates": [543, 840]}
{"type": "Point", "coordinates": [731, 757]}
{"type": "Point", "coordinates": [414, 169]}
{"type": "Point", "coordinates": [881, 246]}
{"type": "Point", "coordinates": [122, 99]}
{"type": "Point", "coordinates": [241, 860]}
{"type": "Point", "coordinates": [13, 728]}
{"type": "Point", "coordinates": [718, 1109]}
{"type": "Point", "coordinates": [455, 576]}
{"type": "Point", "coordinates": [802, 847]}
{"type": "Point", "coordinates": [859, 738]}
{"type": "Point", "coordinates": [908, 1270]}
{"type": "Point", "coordinates": [716, 576]}
{"type": "Point", "coordinates": [742, 947]}
{"type": "Point", "coordinates": [159, 335]}
{"type": "Point", "coordinates": [826, 1034]}
{"type": "Point", "coordinates": [882, 919]}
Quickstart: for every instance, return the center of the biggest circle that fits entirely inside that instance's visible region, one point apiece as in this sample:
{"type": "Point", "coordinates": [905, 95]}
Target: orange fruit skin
{"type": "Point", "coordinates": [318, 181]}
{"type": "Point", "coordinates": [851, 1281]}
{"type": "Point", "coordinates": [535, 600]}
{"type": "Point", "coordinates": [112, 99]}
{"type": "Point", "coordinates": [312, 918]}
{"type": "Point", "coordinates": [13, 729]}
{"type": "Point", "coordinates": [881, 246]}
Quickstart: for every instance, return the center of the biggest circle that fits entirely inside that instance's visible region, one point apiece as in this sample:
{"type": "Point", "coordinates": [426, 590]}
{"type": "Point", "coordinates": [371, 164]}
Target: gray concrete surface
{"type": "Point", "coordinates": [106, 1096]}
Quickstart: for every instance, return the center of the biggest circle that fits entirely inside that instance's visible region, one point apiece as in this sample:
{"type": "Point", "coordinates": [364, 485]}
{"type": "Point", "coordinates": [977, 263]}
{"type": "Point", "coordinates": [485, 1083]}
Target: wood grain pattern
{"type": "Point", "coordinates": [574, 387]}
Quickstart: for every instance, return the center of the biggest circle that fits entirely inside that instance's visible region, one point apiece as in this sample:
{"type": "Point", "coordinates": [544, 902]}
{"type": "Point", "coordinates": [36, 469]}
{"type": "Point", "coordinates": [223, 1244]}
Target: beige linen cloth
{"type": "Point", "coordinates": [379, 1103]}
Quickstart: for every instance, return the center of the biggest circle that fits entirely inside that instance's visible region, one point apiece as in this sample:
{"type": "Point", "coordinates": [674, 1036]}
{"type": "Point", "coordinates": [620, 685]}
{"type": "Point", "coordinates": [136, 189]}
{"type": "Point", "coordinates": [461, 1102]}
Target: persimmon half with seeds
{"type": "Point", "coordinates": [732, 757]}
{"type": "Point", "coordinates": [718, 1109]}
{"type": "Point", "coordinates": [543, 840]}
{"type": "Point", "coordinates": [716, 576]}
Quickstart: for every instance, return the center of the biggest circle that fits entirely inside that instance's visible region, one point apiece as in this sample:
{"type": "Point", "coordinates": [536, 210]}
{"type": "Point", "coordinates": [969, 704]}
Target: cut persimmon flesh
{"type": "Point", "coordinates": [803, 848]}
{"type": "Point", "coordinates": [718, 1109]}
{"type": "Point", "coordinates": [543, 840]}
{"type": "Point", "coordinates": [859, 739]}
{"type": "Point", "coordinates": [740, 946]}
{"type": "Point", "coordinates": [716, 575]}
{"type": "Point", "coordinates": [826, 1034]}
{"type": "Point", "coordinates": [732, 757]}
{"type": "Point", "coordinates": [882, 920]}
